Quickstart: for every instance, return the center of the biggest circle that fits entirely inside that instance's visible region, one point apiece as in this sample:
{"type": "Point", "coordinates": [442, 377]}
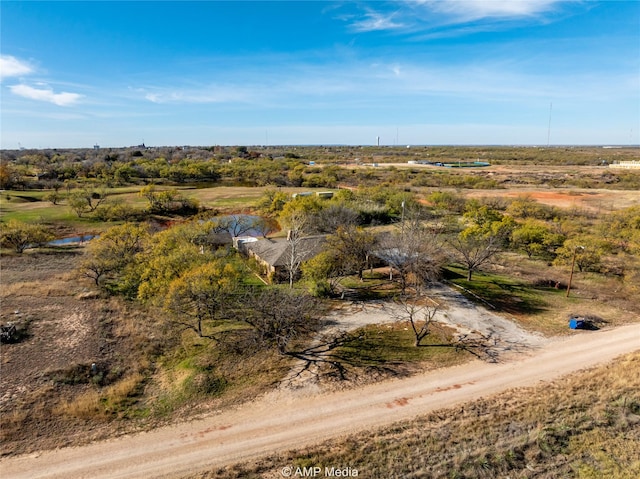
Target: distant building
{"type": "Point", "coordinates": [631, 164]}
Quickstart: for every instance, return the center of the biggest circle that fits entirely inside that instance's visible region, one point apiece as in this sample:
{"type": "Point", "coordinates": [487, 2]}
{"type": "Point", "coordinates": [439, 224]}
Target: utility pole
{"type": "Point", "coordinates": [573, 264]}
{"type": "Point", "coordinates": [549, 127]}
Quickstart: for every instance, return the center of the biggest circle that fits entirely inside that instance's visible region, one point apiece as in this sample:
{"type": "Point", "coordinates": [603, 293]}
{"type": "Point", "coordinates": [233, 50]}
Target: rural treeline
{"type": "Point", "coordinates": [66, 170]}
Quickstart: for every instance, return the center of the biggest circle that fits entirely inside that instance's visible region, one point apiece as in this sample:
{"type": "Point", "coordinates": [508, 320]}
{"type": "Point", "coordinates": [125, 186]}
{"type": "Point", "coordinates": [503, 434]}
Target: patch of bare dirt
{"type": "Point", "coordinates": [593, 200]}
{"type": "Point", "coordinates": [70, 346]}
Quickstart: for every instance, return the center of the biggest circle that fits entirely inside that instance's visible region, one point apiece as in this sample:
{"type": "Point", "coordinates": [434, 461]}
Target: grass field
{"type": "Point", "coordinates": [29, 206]}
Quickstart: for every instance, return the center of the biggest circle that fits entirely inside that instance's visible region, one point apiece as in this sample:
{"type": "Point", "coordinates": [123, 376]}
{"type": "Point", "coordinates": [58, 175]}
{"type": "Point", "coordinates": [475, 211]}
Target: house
{"type": "Point", "coordinates": [274, 255]}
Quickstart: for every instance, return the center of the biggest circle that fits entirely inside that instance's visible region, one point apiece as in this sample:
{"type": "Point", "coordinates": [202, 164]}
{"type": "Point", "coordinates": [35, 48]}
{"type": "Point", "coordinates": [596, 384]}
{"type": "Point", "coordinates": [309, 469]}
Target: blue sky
{"type": "Point", "coordinates": [301, 72]}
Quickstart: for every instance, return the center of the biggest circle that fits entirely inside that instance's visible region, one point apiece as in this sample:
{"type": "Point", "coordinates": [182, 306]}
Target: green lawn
{"type": "Point", "coordinates": [391, 345]}
{"type": "Point", "coordinates": [501, 292]}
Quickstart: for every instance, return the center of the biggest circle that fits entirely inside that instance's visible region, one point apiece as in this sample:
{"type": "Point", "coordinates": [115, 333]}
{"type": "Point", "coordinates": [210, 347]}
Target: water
{"type": "Point", "coordinates": [71, 239]}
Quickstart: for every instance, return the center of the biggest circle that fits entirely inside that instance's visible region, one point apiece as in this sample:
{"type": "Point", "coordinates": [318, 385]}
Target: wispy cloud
{"type": "Point", "coordinates": [45, 93]}
{"type": "Point", "coordinates": [416, 16]}
{"type": "Point", "coordinates": [204, 94]}
{"type": "Point", "coordinates": [373, 21]}
{"type": "Point", "coordinates": [470, 10]}
{"type": "Point", "coordinates": [10, 66]}
{"type": "Point", "coordinates": [338, 85]}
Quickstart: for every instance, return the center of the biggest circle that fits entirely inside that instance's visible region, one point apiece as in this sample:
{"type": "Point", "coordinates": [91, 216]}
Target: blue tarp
{"type": "Point", "coordinates": [576, 323]}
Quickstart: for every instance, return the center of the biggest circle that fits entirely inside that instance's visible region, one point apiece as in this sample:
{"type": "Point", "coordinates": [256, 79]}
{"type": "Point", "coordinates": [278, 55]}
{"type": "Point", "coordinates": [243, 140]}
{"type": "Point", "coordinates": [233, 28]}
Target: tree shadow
{"type": "Point", "coordinates": [328, 352]}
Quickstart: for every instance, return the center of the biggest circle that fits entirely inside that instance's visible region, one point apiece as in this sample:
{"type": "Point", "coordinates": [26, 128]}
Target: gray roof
{"type": "Point", "coordinates": [276, 251]}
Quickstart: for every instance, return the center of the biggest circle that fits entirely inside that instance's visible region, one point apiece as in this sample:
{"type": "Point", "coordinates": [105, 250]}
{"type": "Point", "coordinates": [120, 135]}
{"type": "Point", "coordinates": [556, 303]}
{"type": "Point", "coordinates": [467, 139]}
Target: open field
{"type": "Point", "coordinates": [592, 200]}
{"type": "Point", "coordinates": [51, 397]}
{"type": "Point", "coordinates": [29, 205]}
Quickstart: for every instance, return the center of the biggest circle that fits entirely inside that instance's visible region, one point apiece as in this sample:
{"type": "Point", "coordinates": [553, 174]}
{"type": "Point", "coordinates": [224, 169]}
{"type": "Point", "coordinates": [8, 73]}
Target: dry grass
{"type": "Point", "coordinates": [583, 426]}
{"type": "Point", "coordinates": [591, 294]}
{"type": "Point", "coordinates": [95, 404]}
{"type": "Point", "coordinates": [36, 288]}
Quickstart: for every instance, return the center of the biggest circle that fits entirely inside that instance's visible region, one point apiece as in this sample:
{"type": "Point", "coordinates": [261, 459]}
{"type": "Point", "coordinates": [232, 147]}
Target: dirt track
{"type": "Point", "coordinates": [288, 421]}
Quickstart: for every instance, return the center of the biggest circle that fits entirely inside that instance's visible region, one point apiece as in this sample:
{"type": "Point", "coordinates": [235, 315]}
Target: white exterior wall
{"type": "Point", "coordinates": [626, 164]}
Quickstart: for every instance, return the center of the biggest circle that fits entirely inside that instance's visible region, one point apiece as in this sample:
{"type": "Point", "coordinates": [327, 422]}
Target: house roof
{"type": "Point", "coordinates": [276, 251]}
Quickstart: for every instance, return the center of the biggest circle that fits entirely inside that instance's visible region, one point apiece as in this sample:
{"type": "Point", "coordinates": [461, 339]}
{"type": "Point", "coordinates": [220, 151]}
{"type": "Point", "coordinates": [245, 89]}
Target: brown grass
{"type": "Point", "coordinates": [94, 404]}
{"type": "Point", "coordinates": [594, 200]}
{"type": "Point", "coordinates": [591, 294]}
{"type": "Point", "coordinates": [35, 288]}
{"type": "Point", "coordinates": [585, 425]}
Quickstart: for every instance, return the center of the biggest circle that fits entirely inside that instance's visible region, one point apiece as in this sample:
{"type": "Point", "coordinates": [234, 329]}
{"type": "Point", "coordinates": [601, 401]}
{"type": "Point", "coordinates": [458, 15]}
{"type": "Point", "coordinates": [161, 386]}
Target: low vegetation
{"type": "Point", "coordinates": [582, 426]}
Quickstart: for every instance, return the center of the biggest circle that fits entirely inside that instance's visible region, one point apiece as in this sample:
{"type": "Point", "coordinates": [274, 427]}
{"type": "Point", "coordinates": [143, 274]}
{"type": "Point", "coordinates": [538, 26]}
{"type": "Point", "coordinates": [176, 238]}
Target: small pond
{"type": "Point", "coordinates": [71, 239]}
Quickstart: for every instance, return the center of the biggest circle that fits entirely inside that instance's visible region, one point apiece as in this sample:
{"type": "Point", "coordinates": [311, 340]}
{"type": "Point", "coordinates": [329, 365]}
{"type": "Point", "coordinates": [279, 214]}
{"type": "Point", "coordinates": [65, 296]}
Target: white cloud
{"type": "Point", "coordinates": [12, 67]}
{"type": "Point", "coordinates": [469, 10]}
{"type": "Point", "coordinates": [204, 94]}
{"type": "Point", "coordinates": [424, 15]}
{"type": "Point", "coordinates": [376, 21]}
{"type": "Point", "coordinates": [153, 97]}
{"type": "Point", "coordinates": [45, 94]}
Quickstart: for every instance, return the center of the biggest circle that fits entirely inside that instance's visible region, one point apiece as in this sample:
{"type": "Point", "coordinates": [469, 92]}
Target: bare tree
{"type": "Point", "coordinates": [279, 316]}
{"type": "Point", "coordinates": [235, 225]}
{"type": "Point", "coordinates": [419, 313]}
{"type": "Point", "coordinates": [415, 254]}
{"type": "Point", "coordinates": [476, 250]}
{"type": "Point", "coordinates": [297, 250]}
{"type": "Point", "coordinates": [352, 247]}
{"type": "Point", "coordinates": [265, 226]}
{"type": "Point", "coordinates": [329, 219]}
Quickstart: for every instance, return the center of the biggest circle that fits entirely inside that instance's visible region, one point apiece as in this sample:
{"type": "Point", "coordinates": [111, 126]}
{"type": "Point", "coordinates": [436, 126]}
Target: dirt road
{"type": "Point", "coordinates": [288, 421]}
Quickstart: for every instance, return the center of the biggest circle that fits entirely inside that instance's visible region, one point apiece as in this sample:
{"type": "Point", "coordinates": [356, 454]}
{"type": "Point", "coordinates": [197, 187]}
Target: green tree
{"type": "Point", "coordinates": [527, 207]}
{"type": "Point", "coordinates": [114, 251]}
{"type": "Point", "coordinates": [324, 271]}
{"type": "Point", "coordinates": [201, 293]}
{"type": "Point", "coordinates": [301, 206]}
{"type": "Point", "coordinates": [586, 250]}
{"type": "Point", "coordinates": [159, 201]}
{"type": "Point", "coordinates": [53, 197]}
{"type": "Point", "coordinates": [20, 236]}
{"type": "Point", "coordinates": [272, 202]}
{"type": "Point", "coordinates": [444, 201]}
{"type": "Point", "coordinates": [485, 236]}
{"type": "Point", "coordinates": [535, 239]}
{"type": "Point", "coordinates": [171, 253]}
{"type": "Point", "coordinates": [86, 200]}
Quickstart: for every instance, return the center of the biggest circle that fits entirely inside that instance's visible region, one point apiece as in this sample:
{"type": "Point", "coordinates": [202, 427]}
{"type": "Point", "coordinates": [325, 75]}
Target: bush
{"type": "Point", "coordinates": [20, 236]}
